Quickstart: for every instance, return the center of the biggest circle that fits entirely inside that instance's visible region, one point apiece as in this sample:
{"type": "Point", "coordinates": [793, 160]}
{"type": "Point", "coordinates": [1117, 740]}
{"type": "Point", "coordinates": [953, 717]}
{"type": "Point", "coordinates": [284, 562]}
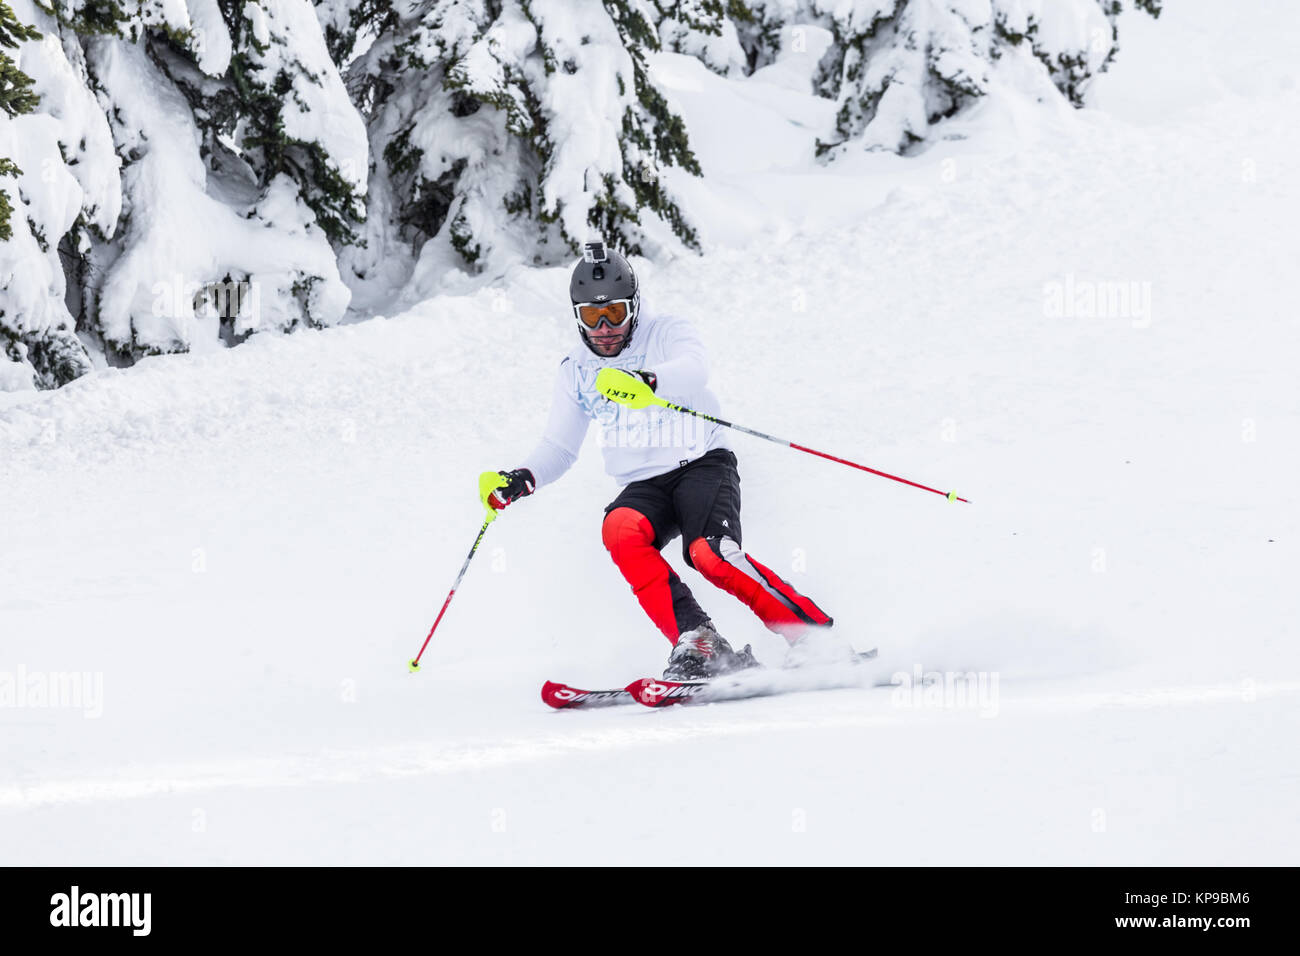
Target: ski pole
{"type": "Point", "coordinates": [487, 481]}
{"type": "Point", "coordinates": [619, 386]}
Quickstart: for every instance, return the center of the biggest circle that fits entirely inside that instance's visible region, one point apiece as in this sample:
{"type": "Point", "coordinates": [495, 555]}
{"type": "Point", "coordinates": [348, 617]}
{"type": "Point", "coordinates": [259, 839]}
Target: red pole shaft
{"type": "Point", "coordinates": [415, 661]}
{"type": "Point", "coordinates": [445, 604]}
{"type": "Point", "coordinates": [882, 474]}
{"type": "Point", "coordinates": [811, 451]}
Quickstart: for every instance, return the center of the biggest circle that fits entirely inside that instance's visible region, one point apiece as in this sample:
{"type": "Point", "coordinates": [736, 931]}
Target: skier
{"type": "Point", "coordinates": [678, 471]}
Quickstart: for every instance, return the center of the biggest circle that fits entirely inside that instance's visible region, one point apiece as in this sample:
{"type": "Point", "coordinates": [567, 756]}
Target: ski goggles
{"type": "Point", "coordinates": [613, 313]}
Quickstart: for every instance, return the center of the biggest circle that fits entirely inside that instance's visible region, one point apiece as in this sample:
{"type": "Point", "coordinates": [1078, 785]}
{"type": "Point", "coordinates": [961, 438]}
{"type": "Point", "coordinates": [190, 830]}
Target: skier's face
{"type": "Point", "coordinates": [607, 341]}
{"type": "Point", "coordinates": [605, 324]}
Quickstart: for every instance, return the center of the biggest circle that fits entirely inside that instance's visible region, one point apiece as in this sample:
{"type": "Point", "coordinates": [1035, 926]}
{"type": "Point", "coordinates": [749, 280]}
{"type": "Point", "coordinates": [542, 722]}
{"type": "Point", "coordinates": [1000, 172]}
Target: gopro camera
{"type": "Point", "coordinates": [594, 252]}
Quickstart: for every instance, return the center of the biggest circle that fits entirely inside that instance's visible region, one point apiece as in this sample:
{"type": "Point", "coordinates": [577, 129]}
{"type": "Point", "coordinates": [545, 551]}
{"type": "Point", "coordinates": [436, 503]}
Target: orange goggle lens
{"type": "Point", "coordinates": [591, 313]}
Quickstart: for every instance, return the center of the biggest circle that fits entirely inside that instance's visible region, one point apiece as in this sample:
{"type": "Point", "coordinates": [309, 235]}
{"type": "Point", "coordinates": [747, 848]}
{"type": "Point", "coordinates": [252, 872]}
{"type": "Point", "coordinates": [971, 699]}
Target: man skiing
{"type": "Point", "coordinates": [678, 472]}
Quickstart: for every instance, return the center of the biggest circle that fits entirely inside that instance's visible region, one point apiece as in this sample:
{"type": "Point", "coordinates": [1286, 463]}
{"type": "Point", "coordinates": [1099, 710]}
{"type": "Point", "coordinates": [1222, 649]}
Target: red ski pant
{"type": "Point", "coordinates": [701, 501]}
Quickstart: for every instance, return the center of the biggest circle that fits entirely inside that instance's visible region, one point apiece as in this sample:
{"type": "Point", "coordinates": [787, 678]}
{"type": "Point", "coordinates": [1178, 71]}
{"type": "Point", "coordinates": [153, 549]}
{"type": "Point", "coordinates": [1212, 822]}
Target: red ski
{"type": "Point", "coordinates": [656, 692]}
{"type": "Point", "coordinates": [751, 682]}
{"type": "Point", "coordinates": [563, 697]}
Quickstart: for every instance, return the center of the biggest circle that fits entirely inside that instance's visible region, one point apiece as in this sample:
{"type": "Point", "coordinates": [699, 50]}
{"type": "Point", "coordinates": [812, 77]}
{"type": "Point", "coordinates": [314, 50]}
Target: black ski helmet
{"type": "Point", "coordinates": [602, 276]}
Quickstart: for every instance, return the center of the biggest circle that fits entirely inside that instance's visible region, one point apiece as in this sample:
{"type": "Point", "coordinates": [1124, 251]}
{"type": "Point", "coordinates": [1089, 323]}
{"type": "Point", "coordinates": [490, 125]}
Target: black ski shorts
{"type": "Point", "coordinates": [701, 499]}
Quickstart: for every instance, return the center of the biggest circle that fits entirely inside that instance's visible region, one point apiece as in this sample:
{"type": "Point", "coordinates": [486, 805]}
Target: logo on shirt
{"type": "Point", "coordinates": [622, 427]}
{"type": "Point", "coordinates": [596, 405]}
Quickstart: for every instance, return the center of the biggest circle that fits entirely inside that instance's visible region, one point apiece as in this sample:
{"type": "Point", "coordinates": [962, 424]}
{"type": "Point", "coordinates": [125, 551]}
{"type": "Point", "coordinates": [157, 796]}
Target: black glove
{"type": "Point", "coordinates": [520, 483]}
{"type": "Point", "coordinates": [649, 378]}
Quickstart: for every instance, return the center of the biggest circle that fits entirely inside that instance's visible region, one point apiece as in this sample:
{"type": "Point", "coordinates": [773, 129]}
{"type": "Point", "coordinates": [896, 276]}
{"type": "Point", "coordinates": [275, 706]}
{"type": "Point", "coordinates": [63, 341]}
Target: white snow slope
{"type": "Point", "coordinates": [242, 549]}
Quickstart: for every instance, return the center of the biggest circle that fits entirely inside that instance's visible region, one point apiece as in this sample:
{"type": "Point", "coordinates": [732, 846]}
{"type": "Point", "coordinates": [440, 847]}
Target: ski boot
{"type": "Point", "coordinates": [703, 653]}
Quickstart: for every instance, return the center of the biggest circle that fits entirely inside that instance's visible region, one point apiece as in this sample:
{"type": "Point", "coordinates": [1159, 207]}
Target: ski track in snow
{"type": "Point", "coordinates": [415, 759]}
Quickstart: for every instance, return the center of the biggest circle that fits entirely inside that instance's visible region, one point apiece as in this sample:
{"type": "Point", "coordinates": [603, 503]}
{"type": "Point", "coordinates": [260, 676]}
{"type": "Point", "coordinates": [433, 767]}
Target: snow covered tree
{"type": "Point", "coordinates": [1113, 9]}
{"type": "Point", "coordinates": [705, 29]}
{"type": "Point", "coordinates": [234, 158]}
{"type": "Point", "coordinates": [279, 103]}
{"type": "Point", "coordinates": [16, 96]}
{"type": "Point", "coordinates": [180, 173]}
{"type": "Point", "coordinates": [56, 148]}
{"type": "Point", "coordinates": [7, 168]}
{"type": "Point", "coordinates": [897, 67]}
{"type": "Point", "coordinates": [760, 26]}
{"type": "Point", "coordinates": [509, 129]}
{"type": "Point", "coordinates": [652, 138]}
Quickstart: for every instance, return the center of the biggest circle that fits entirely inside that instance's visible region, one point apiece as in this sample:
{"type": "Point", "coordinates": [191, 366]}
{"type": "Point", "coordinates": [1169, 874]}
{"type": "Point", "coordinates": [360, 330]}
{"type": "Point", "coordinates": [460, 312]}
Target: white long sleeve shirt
{"type": "Point", "coordinates": [637, 444]}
